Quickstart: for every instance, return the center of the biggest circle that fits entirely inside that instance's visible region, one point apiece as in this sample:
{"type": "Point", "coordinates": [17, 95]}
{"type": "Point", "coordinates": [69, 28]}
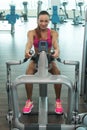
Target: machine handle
{"type": "Point", "coordinates": [31, 52]}
{"type": "Point", "coordinates": [13, 62]}
{"type": "Point", "coordinates": [68, 62]}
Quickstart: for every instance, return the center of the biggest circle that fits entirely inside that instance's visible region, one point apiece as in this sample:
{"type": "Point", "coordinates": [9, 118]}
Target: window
{"type": "Point", "coordinates": [32, 4]}
{"type": "Point", "coordinates": [73, 4]}
{"type": "Point", "coordinates": [4, 4]}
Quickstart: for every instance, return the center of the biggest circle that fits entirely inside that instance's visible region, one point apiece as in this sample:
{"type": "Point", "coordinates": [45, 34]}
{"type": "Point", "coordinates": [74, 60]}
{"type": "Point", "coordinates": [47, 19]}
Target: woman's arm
{"type": "Point", "coordinates": [29, 43]}
{"type": "Point", "coordinates": [55, 44]}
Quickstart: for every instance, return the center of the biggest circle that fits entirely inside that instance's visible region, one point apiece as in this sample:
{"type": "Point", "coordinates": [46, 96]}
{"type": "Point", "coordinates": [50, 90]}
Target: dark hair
{"type": "Point", "coordinates": [43, 12]}
{"type": "Point", "coordinates": [38, 31]}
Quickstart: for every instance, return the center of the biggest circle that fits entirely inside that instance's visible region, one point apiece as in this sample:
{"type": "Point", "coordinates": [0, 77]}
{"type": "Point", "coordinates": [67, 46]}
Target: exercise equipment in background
{"type": "Point", "coordinates": [84, 63]}
{"type": "Point", "coordinates": [55, 17]}
{"type": "Point", "coordinates": [25, 11]}
{"type": "Point", "coordinates": [2, 15]}
{"type": "Point", "coordinates": [63, 15]}
{"type": "Point", "coordinates": [12, 17]}
{"type": "Point", "coordinates": [39, 6]}
{"type": "Point", "coordinates": [78, 19]}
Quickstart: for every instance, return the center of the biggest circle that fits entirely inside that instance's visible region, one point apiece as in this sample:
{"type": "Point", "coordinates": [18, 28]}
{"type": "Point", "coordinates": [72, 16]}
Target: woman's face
{"type": "Point", "coordinates": [43, 21]}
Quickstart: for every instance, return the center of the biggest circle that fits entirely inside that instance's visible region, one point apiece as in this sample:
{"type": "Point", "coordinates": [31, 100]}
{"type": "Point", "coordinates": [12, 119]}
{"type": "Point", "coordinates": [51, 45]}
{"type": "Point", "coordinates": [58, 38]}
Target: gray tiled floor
{"type": "Point", "coordinates": [12, 48]}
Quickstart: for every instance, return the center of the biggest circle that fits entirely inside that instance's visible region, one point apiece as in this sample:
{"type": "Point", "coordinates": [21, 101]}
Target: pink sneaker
{"type": "Point", "coordinates": [28, 107]}
{"type": "Point", "coordinates": [58, 108]}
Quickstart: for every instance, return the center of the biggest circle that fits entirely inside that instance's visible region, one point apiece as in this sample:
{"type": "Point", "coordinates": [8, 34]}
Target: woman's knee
{"type": "Point", "coordinates": [30, 68]}
{"type": "Point", "coordinates": [55, 70]}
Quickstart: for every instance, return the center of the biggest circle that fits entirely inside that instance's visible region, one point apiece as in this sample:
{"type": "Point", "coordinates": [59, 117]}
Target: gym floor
{"type": "Point", "coordinates": [12, 48]}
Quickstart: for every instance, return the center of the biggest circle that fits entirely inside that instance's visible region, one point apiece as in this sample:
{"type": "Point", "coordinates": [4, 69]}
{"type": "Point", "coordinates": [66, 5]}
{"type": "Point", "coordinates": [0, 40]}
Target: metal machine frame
{"type": "Point", "coordinates": [84, 63]}
{"type": "Point", "coordinates": [42, 78]}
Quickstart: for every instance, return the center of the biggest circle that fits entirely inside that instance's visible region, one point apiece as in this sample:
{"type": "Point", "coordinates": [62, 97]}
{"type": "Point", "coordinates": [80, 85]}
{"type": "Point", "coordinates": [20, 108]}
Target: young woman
{"type": "Point", "coordinates": [33, 38]}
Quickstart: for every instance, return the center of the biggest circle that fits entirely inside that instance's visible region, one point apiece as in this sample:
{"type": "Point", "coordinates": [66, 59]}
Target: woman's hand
{"type": "Point", "coordinates": [28, 55]}
{"type": "Point", "coordinates": [55, 54]}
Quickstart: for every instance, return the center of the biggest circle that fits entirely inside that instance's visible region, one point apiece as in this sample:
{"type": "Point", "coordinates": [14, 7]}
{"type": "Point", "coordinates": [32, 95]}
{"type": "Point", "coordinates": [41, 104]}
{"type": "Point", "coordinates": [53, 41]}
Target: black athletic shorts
{"type": "Point", "coordinates": [35, 58]}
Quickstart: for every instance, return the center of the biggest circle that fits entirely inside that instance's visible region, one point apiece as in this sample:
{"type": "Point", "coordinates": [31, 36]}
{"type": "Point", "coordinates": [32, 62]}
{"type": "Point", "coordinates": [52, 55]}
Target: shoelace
{"type": "Point", "coordinates": [58, 105]}
{"type": "Point", "coordinates": [28, 104]}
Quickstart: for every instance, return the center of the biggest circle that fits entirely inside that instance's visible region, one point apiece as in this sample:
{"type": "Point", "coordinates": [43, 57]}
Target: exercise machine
{"type": "Point", "coordinates": [55, 17]}
{"type": "Point", "coordinates": [43, 78]}
{"type": "Point", "coordinates": [75, 18]}
{"type": "Point", "coordinates": [25, 12]}
{"type": "Point", "coordinates": [78, 19]}
{"type": "Point", "coordinates": [39, 4]}
{"type": "Point", "coordinates": [12, 17]}
{"type": "Point", "coordinates": [2, 15]}
{"type": "Point", "coordinates": [64, 4]}
{"type": "Point", "coordinates": [63, 15]}
{"type": "Point", "coordinates": [84, 63]}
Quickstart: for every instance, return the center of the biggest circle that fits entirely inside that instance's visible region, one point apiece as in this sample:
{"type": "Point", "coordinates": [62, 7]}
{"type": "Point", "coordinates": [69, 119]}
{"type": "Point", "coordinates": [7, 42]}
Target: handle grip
{"type": "Point", "coordinates": [31, 52]}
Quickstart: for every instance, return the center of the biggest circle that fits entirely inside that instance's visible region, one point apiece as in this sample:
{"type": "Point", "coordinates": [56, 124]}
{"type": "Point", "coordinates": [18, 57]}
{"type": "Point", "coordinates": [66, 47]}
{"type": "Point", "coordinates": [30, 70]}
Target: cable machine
{"type": "Point", "coordinates": [84, 63]}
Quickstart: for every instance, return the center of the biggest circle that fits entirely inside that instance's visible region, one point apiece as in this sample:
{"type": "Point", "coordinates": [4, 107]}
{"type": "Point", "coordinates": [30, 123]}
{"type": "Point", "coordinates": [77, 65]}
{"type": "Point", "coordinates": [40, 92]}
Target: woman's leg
{"type": "Point", "coordinates": [58, 106]}
{"type": "Point", "coordinates": [29, 87]}
{"type": "Point", "coordinates": [55, 71]}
